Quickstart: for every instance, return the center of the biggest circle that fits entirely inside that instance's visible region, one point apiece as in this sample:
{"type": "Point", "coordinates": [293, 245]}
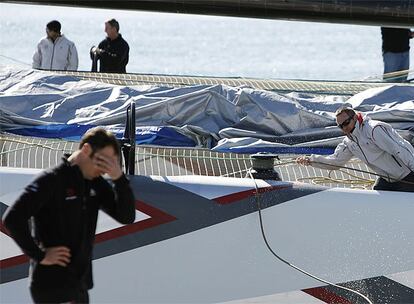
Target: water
{"type": "Point", "coordinates": [204, 45]}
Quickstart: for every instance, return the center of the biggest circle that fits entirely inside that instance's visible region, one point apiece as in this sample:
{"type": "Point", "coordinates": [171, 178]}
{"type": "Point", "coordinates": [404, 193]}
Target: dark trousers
{"type": "Point", "coordinates": [59, 295]}
{"type": "Point", "coordinates": [405, 185]}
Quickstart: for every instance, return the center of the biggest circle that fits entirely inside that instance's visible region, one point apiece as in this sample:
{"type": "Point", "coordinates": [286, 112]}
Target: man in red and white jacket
{"type": "Point", "coordinates": [375, 143]}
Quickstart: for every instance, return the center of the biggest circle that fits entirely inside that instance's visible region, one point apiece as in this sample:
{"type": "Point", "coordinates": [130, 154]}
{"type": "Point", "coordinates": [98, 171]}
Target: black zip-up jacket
{"type": "Point", "coordinates": [395, 40]}
{"type": "Point", "coordinates": [64, 209]}
{"type": "Point", "coordinates": [115, 55]}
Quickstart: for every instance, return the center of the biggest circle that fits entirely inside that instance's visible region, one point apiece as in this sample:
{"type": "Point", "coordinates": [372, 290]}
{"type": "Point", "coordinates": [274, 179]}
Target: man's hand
{"type": "Point", "coordinates": [303, 160]}
{"type": "Point", "coordinates": [59, 255]}
{"type": "Point", "coordinates": [96, 50]}
{"type": "Point", "coordinates": [109, 165]}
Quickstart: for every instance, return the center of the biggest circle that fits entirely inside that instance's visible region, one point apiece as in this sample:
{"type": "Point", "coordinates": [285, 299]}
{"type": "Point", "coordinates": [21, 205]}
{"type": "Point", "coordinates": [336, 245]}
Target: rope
{"type": "Point", "coordinates": [257, 198]}
{"type": "Point", "coordinates": [357, 181]}
{"type": "Point", "coordinates": [15, 60]}
{"type": "Point", "coordinates": [365, 183]}
{"type": "Point", "coordinates": [363, 171]}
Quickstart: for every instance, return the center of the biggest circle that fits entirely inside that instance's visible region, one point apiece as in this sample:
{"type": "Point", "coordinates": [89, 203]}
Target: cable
{"type": "Point", "coordinates": [257, 198]}
{"type": "Point", "coordinates": [15, 60]}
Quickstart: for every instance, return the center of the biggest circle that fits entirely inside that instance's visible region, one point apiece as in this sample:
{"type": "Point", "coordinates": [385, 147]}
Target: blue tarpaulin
{"type": "Point", "coordinates": [161, 136]}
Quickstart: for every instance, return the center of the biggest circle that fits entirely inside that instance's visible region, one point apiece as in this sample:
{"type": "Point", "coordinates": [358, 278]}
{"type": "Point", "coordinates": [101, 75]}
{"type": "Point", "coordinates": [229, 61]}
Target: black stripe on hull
{"type": "Point", "coordinates": [380, 290]}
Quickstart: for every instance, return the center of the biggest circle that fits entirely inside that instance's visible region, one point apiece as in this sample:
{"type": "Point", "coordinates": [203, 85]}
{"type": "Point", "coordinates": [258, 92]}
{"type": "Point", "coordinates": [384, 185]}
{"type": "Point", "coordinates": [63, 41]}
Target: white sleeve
{"type": "Point", "coordinates": [72, 58]}
{"type": "Point", "coordinates": [386, 138]}
{"type": "Point", "coordinates": [340, 157]}
{"type": "Point", "coordinates": [37, 58]}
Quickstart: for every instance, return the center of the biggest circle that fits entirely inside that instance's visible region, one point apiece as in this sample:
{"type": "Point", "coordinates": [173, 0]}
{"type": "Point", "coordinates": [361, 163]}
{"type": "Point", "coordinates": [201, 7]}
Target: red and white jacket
{"type": "Point", "coordinates": [378, 145]}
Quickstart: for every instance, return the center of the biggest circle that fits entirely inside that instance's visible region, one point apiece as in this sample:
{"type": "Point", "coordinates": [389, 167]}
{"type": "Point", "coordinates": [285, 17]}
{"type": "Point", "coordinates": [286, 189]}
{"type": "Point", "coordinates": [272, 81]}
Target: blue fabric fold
{"type": "Point", "coordinates": [162, 136]}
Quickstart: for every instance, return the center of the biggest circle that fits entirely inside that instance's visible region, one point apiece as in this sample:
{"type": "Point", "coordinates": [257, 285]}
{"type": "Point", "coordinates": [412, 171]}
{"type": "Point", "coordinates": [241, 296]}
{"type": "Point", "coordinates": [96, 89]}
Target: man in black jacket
{"type": "Point", "coordinates": [62, 206]}
{"type": "Point", "coordinates": [396, 52]}
{"type": "Point", "coordinates": [112, 52]}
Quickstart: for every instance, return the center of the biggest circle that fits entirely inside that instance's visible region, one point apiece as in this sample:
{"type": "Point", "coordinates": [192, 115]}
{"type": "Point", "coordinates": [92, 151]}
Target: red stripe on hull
{"type": "Point", "coordinates": [234, 197]}
{"type": "Point", "coordinates": [157, 217]}
{"type": "Point", "coordinates": [325, 295]}
{"type": "Point", "coordinates": [14, 261]}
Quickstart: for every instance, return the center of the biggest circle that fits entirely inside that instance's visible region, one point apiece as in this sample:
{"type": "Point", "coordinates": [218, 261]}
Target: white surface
{"type": "Point", "coordinates": [212, 187]}
{"type": "Point", "coordinates": [406, 278]}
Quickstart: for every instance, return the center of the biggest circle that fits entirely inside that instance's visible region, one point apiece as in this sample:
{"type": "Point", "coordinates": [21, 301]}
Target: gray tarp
{"type": "Point", "coordinates": [231, 116]}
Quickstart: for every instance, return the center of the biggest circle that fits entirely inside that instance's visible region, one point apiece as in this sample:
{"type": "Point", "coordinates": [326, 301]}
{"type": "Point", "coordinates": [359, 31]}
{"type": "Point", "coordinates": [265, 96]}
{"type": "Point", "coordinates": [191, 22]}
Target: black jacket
{"type": "Point", "coordinates": [115, 55]}
{"type": "Point", "coordinates": [64, 209]}
{"type": "Point", "coordinates": [395, 40]}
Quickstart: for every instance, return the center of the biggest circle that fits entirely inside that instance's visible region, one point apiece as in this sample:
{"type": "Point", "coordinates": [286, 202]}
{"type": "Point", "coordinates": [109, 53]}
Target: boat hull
{"type": "Point", "coordinates": [198, 239]}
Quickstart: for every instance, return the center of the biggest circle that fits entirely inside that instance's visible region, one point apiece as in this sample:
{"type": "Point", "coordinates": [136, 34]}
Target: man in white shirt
{"type": "Point", "coordinates": [375, 143]}
{"type": "Point", "coordinates": [55, 51]}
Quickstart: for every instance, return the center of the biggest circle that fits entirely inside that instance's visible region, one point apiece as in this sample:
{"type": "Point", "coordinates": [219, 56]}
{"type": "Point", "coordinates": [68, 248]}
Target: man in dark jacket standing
{"type": "Point", "coordinates": [396, 52]}
{"type": "Point", "coordinates": [113, 51]}
{"type": "Point", "coordinates": [62, 206]}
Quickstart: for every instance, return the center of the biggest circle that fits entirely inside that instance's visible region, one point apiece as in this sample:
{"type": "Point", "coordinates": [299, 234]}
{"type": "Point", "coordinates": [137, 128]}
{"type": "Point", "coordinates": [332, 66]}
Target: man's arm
{"type": "Point", "coordinates": [119, 202]}
{"type": "Point", "coordinates": [27, 205]}
{"type": "Point", "coordinates": [118, 56]}
{"type": "Point", "coordinates": [340, 157]}
{"type": "Point", "coordinates": [16, 218]}
{"type": "Point", "coordinates": [122, 208]}
{"type": "Point", "coordinates": [72, 58]}
{"type": "Point", "coordinates": [37, 58]}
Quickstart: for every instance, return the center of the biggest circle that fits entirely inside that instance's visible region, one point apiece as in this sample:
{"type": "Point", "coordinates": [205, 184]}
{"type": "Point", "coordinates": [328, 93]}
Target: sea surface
{"type": "Point", "coordinates": [180, 44]}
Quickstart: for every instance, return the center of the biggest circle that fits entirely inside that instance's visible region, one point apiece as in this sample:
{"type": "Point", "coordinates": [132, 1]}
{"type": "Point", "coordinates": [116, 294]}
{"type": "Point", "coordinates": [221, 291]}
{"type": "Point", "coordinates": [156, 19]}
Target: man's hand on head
{"type": "Point", "coordinates": [109, 165]}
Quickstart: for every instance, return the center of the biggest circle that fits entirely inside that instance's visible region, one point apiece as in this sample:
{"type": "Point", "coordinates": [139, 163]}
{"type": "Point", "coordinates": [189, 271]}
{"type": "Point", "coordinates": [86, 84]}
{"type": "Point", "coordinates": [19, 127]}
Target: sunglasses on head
{"type": "Point", "coordinates": [345, 122]}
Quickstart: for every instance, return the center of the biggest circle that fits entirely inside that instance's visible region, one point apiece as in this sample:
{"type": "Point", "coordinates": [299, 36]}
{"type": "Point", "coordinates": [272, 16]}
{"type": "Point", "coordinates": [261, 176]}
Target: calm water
{"type": "Point", "coordinates": [204, 45]}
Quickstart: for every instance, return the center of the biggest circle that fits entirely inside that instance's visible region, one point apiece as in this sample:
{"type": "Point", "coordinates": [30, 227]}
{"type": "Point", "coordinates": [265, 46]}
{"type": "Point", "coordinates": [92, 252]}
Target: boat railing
{"type": "Point", "coordinates": [34, 152]}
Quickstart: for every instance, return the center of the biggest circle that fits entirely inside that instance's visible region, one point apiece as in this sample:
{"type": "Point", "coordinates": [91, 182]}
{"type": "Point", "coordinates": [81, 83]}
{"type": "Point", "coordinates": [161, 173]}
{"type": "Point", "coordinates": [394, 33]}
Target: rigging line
{"type": "Point", "coordinates": [349, 168]}
{"type": "Point", "coordinates": [16, 60]}
{"type": "Point", "coordinates": [363, 171]}
{"type": "Point", "coordinates": [357, 181]}
{"type": "Point", "coordinates": [317, 180]}
{"type": "Point", "coordinates": [362, 179]}
{"type": "Point", "coordinates": [257, 198]}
